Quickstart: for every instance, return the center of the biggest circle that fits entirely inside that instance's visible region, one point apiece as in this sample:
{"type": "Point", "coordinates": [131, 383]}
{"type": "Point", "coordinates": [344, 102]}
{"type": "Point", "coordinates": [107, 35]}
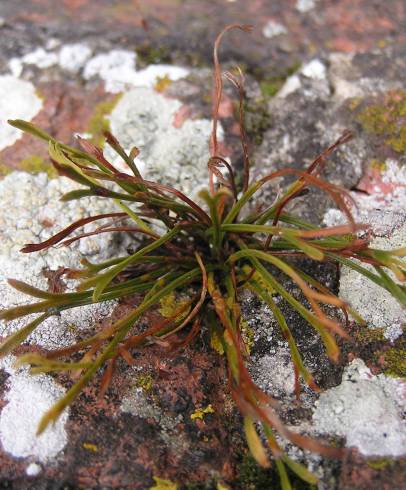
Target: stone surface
{"type": "Point", "coordinates": [18, 101]}
{"type": "Point", "coordinates": [28, 397]}
{"type": "Point", "coordinates": [315, 106]}
{"type": "Point", "coordinates": [186, 30]}
{"type": "Point", "coordinates": [375, 305]}
{"type": "Point", "coordinates": [367, 410]}
{"type": "Point", "coordinates": [38, 214]}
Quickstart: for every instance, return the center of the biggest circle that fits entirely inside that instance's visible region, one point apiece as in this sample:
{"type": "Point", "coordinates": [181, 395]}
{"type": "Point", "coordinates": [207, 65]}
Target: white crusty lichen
{"type": "Point", "coordinates": [172, 155]}
{"type": "Point", "coordinates": [117, 67]}
{"type": "Point", "coordinates": [30, 212]}
{"type": "Point", "coordinates": [118, 70]}
{"type": "Point", "coordinates": [315, 69]}
{"type": "Point", "coordinates": [367, 410]}
{"type": "Point", "coordinates": [28, 398]}
{"type": "Point", "coordinates": [305, 5]}
{"type": "Point", "coordinates": [33, 469]}
{"type": "Point", "coordinates": [273, 29]}
{"type": "Point", "coordinates": [73, 57]}
{"type": "Point", "coordinates": [18, 100]}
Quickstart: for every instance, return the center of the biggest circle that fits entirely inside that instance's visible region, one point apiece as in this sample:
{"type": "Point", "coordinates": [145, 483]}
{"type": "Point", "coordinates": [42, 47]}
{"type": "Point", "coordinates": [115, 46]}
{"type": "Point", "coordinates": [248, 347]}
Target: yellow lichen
{"type": "Point", "coordinates": [201, 412]}
{"type": "Point", "coordinates": [144, 381]}
{"type": "Point", "coordinates": [161, 484]}
{"type": "Point", "coordinates": [90, 447]}
{"type": "Point", "coordinates": [162, 83]}
{"type": "Point", "coordinates": [215, 342]}
{"type": "Point", "coordinates": [258, 279]}
{"type": "Point", "coordinates": [247, 334]}
{"type": "Point", "coordinates": [99, 121]}
{"type": "Point", "coordinates": [170, 305]}
{"type": "Point", "coordinates": [4, 170]}
{"type": "Point", "coordinates": [381, 166]}
{"type": "Point", "coordinates": [35, 164]}
{"type": "Point", "coordinates": [378, 464]}
{"type": "Point", "coordinates": [354, 102]}
{"type": "Point", "coordinates": [72, 328]}
{"type": "Point", "coordinates": [221, 486]}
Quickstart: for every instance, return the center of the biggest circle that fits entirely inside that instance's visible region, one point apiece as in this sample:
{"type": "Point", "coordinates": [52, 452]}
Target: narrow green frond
{"type": "Point", "coordinates": [17, 338]}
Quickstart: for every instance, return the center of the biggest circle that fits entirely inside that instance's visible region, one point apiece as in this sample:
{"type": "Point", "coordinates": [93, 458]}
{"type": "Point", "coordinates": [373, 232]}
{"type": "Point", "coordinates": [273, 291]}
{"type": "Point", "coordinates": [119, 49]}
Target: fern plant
{"type": "Point", "coordinates": [215, 247]}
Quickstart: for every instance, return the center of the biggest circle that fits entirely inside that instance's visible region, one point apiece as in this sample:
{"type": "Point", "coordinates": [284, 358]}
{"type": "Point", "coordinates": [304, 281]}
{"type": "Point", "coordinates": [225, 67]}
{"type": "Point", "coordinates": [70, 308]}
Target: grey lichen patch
{"type": "Point", "coordinates": [376, 305]}
{"type": "Point", "coordinates": [30, 211]}
{"type": "Point", "coordinates": [274, 373]}
{"type": "Point", "coordinates": [171, 155]}
{"type": "Point", "coordinates": [366, 410]}
{"type": "Point", "coordinates": [138, 403]}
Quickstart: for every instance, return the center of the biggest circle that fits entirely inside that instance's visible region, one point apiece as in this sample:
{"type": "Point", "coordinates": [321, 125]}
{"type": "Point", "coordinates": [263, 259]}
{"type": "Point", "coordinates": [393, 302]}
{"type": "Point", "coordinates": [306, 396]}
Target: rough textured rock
{"type": "Point", "coordinates": [366, 410]}
{"type": "Point", "coordinates": [37, 215]}
{"type": "Point", "coordinates": [185, 30]}
{"type": "Point", "coordinates": [361, 294]}
{"type": "Point", "coordinates": [18, 99]}
{"type": "Point", "coordinates": [28, 397]}
{"type": "Point", "coordinates": [314, 107]}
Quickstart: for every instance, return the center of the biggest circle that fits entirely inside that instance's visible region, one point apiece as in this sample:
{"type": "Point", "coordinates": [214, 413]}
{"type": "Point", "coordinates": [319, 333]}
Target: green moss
{"type": "Point", "coordinates": [99, 122]}
{"type": "Point", "coordinates": [387, 119]}
{"type": "Point", "coordinates": [398, 142]}
{"type": "Point", "coordinates": [271, 85]}
{"type": "Point", "coordinates": [252, 477]}
{"type": "Point", "coordinates": [395, 361]}
{"type": "Point", "coordinates": [35, 164]}
{"type": "Point", "coordinates": [147, 54]}
{"type": "Point", "coordinates": [209, 485]}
